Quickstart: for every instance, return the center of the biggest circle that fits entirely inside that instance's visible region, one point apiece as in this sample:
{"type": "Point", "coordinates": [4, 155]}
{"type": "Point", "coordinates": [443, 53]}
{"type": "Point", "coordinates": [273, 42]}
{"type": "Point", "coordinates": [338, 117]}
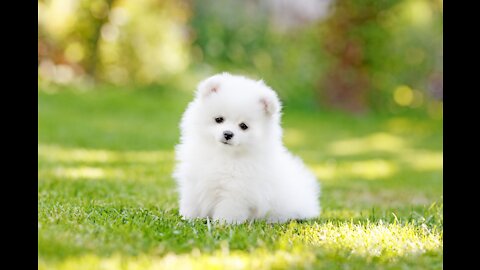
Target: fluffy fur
{"type": "Point", "coordinates": [245, 177]}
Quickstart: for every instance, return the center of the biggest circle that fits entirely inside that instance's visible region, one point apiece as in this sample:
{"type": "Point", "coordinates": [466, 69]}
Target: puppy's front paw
{"type": "Point", "coordinates": [229, 219]}
{"type": "Point", "coordinates": [230, 213]}
{"type": "Point", "coordinates": [188, 213]}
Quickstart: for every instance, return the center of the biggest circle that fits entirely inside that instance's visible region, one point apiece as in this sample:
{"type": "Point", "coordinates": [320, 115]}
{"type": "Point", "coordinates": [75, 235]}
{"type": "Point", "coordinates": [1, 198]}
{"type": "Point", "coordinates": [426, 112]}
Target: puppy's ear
{"type": "Point", "coordinates": [270, 104]}
{"type": "Point", "coordinates": [209, 86]}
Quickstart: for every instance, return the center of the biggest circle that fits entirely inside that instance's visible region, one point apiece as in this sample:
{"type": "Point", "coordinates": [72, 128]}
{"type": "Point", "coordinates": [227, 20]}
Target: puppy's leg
{"type": "Point", "coordinates": [189, 208]}
{"type": "Point", "coordinates": [231, 211]}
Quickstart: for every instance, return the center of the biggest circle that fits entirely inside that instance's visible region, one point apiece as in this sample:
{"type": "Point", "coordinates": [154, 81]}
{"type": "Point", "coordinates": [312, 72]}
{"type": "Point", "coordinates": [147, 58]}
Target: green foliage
{"type": "Point", "coordinates": [113, 41]}
{"type": "Point", "coordinates": [377, 47]}
{"type": "Point", "coordinates": [231, 36]}
{"type": "Point", "coordinates": [360, 54]}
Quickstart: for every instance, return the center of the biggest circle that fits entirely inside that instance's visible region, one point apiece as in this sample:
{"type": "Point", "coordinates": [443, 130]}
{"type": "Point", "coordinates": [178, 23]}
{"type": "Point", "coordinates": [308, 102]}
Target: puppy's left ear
{"type": "Point", "coordinates": [210, 85]}
{"type": "Point", "coordinates": [270, 104]}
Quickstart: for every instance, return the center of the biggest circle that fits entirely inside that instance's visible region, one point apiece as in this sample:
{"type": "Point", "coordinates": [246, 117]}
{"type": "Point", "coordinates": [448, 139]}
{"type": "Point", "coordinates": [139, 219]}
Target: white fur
{"type": "Point", "coordinates": [253, 177]}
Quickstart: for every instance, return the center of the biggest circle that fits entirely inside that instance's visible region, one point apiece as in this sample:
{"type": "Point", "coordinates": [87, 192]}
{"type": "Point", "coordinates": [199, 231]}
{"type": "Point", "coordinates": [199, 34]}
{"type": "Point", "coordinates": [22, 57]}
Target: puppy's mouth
{"type": "Point", "coordinates": [226, 143]}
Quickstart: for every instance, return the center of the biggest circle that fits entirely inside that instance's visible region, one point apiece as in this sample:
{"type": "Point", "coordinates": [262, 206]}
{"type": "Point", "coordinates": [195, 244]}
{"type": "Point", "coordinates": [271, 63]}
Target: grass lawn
{"type": "Point", "coordinates": [106, 198]}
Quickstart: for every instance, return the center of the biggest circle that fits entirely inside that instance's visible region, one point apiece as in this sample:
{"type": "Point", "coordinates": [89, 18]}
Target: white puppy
{"type": "Point", "coordinates": [231, 162]}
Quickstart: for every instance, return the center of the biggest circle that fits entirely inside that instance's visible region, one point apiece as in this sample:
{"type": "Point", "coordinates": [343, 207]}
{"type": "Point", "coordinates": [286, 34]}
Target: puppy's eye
{"type": "Point", "coordinates": [243, 126]}
{"type": "Point", "coordinates": [219, 119]}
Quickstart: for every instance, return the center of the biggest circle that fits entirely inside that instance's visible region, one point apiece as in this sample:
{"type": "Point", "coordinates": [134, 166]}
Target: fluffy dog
{"type": "Point", "coordinates": [231, 163]}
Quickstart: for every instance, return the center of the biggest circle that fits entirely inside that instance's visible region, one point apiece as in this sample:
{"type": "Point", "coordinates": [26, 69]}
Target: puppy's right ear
{"type": "Point", "coordinates": [209, 86]}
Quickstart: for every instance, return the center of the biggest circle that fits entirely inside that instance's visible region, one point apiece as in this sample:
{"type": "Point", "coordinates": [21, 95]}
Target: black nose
{"type": "Point", "coordinates": [227, 134]}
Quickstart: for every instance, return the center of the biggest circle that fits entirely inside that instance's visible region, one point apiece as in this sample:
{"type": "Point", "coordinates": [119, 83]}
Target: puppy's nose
{"type": "Point", "coordinates": [227, 134]}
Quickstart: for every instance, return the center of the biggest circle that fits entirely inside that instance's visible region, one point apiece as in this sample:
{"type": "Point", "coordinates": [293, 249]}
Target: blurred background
{"type": "Point", "coordinates": [355, 56]}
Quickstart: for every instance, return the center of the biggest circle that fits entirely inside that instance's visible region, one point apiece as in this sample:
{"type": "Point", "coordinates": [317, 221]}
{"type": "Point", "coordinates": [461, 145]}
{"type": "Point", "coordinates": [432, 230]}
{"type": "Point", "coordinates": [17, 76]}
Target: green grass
{"type": "Point", "coordinates": [106, 199]}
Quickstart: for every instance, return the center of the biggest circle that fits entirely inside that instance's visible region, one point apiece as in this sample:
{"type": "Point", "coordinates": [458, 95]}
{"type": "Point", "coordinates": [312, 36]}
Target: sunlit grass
{"type": "Point", "coordinates": [378, 169]}
{"type": "Point", "coordinates": [374, 142]}
{"type": "Point", "coordinates": [296, 245]}
{"type": "Point", "coordinates": [69, 163]}
{"type": "Point", "coordinates": [295, 248]}
{"type": "Point", "coordinates": [423, 160]}
{"type": "Point", "coordinates": [106, 199]}
{"type": "Point", "coordinates": [65, 154]}
{"type": "Point", "coordinates": [85, 173]}
{"type": "Point", "coordinates": [293, 136]}
{"type": "Point", "coordinates": [386, 241]}
{"type": "Point", "coordinates": [375, 169]}
{"type": "Point", "coordinates": [219, 260]}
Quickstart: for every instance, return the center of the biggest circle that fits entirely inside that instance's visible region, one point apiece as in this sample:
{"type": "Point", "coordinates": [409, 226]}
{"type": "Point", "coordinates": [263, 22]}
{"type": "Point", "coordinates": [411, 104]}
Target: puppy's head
{"type": "Point", "coordinates": [237, 112]}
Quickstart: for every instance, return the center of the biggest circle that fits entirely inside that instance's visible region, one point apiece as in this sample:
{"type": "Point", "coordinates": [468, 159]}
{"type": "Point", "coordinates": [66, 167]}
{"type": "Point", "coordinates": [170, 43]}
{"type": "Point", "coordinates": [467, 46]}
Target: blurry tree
{"type": "Point", "coordinates": [346, 83]}
{"type": "Point", "coordinates": [374, 47]}
{"type": "Point", "coordinates": [355, 55]}
{"type": "Point", "coordinates": [115, 41]}
{"type": "Point", "coordinates": [245, 37]}
{"type": "Point", "coordinates": [97, 13]}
